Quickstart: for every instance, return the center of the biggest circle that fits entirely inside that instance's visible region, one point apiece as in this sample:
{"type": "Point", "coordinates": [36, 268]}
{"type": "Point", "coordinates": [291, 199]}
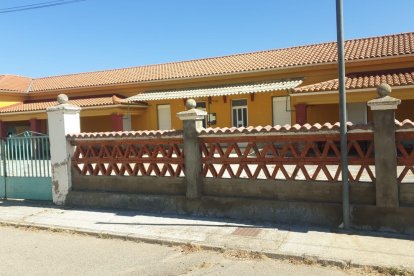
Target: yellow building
{"type": "Point", "coordinates": [282, 86]}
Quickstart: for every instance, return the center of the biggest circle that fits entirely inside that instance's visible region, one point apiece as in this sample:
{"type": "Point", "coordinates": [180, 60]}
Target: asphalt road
{"type": "Point", "coordinates": [35, 252]}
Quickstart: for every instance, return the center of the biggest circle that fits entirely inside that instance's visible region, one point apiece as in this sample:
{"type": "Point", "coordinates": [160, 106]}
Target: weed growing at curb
{"type": "Point", "coordinates": [190, 248]}
{"type": "Point", "coordinates": [243, 254]}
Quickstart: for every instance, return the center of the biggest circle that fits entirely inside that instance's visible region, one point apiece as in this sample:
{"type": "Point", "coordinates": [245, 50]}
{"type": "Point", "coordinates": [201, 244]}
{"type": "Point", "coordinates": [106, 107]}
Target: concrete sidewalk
{"type": "Point", "coordinates": [317, 245]}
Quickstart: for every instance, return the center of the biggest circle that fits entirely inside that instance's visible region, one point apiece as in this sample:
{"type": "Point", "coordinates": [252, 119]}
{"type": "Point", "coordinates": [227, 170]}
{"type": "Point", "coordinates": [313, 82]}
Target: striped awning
{"type": "Point", "coordinates": [215, 91]}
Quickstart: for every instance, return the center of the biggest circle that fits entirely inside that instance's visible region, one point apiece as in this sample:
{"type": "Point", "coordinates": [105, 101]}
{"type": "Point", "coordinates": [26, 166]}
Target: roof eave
{"type": "Point", "coordinates": [369, 89]}
{"type": "Point", "coordinates": [83, 108]}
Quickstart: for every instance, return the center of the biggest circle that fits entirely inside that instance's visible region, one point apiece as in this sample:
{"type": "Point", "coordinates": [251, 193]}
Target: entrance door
{"type": "Point", "coordinates": [281, 115]}
{"type": "Point", "coordinates": [26, 169]}
{"type": "Point", "coordinates": [164, 116]}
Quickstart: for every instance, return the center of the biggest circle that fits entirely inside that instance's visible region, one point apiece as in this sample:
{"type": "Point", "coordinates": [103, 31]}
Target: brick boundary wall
{"type": "Point", "coordinates": [244, 174]}
{"type": "Point", "coordinates": [285, 174]}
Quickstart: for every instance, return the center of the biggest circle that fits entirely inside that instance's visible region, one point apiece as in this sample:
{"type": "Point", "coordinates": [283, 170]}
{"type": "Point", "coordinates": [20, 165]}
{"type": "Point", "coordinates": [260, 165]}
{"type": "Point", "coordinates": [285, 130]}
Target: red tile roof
{"type": "Point", "coordinates": [35, 106]}
{"type": "Point", "coordinates": [363, 80]}
{"type": "Point", "coordinates": [356, 49]}
{"type": "Point", "coordinates": [12, 83]}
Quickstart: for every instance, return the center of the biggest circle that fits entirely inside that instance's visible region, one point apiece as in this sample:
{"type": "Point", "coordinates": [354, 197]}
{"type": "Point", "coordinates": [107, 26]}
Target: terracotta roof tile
{"type": "Point", "coordinates": [285, 129]}
{"type": "Point", "coordinates": [127, 134]}
{"type": "Point", "coordinates": [12, 83]}
{"type": "Point", "coordinates": [365, 48]}
{"type": "Point", "coordinates": [34, 106]}
{"type": "Point", "coordinates": [406, 125]}
{"type": "Point", "coordinates": [263, 130]}
{"type": "Point", "coordinates": [363, 80]}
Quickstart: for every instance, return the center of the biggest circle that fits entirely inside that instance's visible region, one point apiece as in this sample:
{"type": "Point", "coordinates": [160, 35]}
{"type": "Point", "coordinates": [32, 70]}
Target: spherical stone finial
{"type": "Point", "coordinates": [383, 90]}
{"type": "Point", "coordinates": [190, 104]}
{"type": "Point", "coordinates": [62, 99]}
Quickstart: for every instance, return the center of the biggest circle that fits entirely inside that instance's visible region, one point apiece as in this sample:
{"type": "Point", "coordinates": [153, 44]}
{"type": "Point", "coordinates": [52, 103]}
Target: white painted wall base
{"type": "Point", "coordinates": [62, 120]}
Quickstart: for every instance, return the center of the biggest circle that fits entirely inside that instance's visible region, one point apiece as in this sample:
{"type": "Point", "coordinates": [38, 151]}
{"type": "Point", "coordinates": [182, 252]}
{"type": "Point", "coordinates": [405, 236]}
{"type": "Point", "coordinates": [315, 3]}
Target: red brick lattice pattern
{"type": "Point", "coordinates": [405, 156]}
{"type": "Point", "coordinates": [152, 157]}
{"type": "Point", "coordinates": [290, 157]}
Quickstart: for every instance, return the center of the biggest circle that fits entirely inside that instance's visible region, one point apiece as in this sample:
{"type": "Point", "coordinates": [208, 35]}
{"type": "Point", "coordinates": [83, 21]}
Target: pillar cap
{"type": "Point", "coordinates": [192, 113]}
{"type": "Point", "coordinates": [62, 99]}
{"type": "Point", "coordinates": [63, 105]}
{"type": "Point", "coordinates": [384, 102]}
{"type": "Point", "coordinates": [384, 89]}
{"type": "Point", "coordinates": [190, 104]}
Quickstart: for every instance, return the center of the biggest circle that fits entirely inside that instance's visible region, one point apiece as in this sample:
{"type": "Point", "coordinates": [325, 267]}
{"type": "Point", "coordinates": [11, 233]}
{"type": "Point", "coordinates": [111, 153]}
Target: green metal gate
{"type": "Point", "coordinates": [25, 170]}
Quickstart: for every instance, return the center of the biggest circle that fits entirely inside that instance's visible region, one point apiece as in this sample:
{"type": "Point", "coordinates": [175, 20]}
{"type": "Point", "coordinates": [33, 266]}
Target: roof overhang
{"type": "Point", "coordinates": [89, 111]}
{"type": "Point", "coordinates": [248, 88]}
{"type": "Point", "coordinates": [348, 90]}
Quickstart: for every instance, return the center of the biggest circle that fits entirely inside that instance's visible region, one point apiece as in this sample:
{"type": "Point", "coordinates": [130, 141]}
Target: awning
{"type": "Point", "coordinates": [215, 91]}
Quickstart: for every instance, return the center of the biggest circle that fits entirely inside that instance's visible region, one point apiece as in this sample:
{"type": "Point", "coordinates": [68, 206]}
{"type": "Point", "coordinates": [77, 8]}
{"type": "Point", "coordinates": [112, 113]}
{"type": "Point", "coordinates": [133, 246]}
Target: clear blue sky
{"type": "Point", "coordinates": [105, 34]}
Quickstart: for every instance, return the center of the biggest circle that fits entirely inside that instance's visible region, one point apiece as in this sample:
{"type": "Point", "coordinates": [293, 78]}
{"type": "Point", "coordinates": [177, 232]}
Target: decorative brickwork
{"type": "Point", "coordinates": [153, 157]}
{"type": "Point", "coordinates": [405, 155]}
{"type": "Point", "coordinates": [309, 152]}
{"type": "Point", "coordinates": [290, 157]}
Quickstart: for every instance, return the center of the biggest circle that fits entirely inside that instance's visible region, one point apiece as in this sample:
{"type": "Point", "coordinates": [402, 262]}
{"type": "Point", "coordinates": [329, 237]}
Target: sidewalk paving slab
{"type": "Point", "coordinates": [373, 249]}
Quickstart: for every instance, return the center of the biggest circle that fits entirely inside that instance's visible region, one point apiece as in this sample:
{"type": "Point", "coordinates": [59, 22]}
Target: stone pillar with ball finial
{"type": "Point", "coordinates": [383, 109]}
{"type": "Point", "coordinates": [62, 119]}
{"type": "Point", "coordinates": [192, 121]}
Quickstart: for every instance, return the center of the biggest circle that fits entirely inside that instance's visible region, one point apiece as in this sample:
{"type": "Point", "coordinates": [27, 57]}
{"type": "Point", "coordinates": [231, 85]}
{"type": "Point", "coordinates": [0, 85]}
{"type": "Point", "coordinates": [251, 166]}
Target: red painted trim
{"type": "Point", "coordinates": [35, 125]}
{"type": "Point", "coordinates": [301, 113]}
{"type": "Point", "coordinates": [3, 129]}
{"type": "Point", "coordinates": [117, 123]}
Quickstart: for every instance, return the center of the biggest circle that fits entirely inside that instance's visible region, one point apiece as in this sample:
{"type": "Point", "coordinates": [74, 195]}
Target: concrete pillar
{"type": "Point", "coordinates": [383, 109]}
{"type": "Point", "coordinates": [35, 125]}
{"type": "Point", "coordinates": [192, 120]}
{"type": "Point", "coordinates": [3, 129]}
{"type": "Point", "coordinates": [62, 120]}
{"type": "Point", "coordinates": [117, 122]}
{"type": "Point", "coordinates": [301, 113]}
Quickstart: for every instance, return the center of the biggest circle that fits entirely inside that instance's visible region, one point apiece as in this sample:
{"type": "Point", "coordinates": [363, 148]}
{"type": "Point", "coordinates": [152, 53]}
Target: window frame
{"type": "Point", "coordinates": [241, 107]}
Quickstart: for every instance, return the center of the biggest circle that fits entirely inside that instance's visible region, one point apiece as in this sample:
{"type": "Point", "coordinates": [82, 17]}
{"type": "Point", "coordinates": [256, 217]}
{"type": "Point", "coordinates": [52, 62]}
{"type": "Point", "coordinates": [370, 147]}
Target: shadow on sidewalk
{"type": "Point", "coordinates": [228, 222]}
{"type": "Point", "coordinates": [26, 203]}
{"type": "Point", "coordinates": [209, 221]}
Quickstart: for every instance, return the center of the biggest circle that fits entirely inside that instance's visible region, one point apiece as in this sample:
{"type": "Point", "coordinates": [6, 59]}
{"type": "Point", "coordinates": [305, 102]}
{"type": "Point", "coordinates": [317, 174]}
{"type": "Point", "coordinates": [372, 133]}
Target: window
{"type": "Point", "coordinates": [164, 116]}
{"type": "Point", "coordinates": [239, 113]}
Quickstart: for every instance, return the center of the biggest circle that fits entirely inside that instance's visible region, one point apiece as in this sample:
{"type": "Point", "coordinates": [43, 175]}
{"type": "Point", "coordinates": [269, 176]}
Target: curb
{"type": "Point", "coordinates": [305, 259]}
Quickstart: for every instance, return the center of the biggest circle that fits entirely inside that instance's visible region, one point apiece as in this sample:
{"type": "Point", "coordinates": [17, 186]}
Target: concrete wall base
{"type": "Point", "coordinates": [364, 217]}
{"type": "Point", "coordinates": [283, 212]}
{"type": "Point", "coordinates": [398, 219]}
{"type": "Point", "coordinates": [129, 184]}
